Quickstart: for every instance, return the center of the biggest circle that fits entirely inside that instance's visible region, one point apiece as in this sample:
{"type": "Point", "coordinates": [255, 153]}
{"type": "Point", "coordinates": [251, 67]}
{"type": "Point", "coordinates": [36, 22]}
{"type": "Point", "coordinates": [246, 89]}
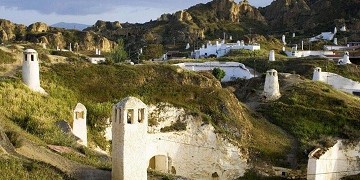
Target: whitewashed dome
{"type": "Point", "coordinates": [130, 103]}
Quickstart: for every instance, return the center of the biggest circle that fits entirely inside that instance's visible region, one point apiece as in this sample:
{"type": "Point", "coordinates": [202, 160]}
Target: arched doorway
{"type": "Point", "coordinates": [161, 163]}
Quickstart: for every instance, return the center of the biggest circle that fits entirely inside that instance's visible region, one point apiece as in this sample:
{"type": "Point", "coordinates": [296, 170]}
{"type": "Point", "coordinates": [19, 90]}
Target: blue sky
{"type": "Point", "coordinates": [89, 11]}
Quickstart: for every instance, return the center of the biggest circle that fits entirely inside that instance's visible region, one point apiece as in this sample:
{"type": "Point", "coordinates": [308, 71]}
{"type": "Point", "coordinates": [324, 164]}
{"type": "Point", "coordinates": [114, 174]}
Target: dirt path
{"type": "Point", "coordinates": [73, 169]}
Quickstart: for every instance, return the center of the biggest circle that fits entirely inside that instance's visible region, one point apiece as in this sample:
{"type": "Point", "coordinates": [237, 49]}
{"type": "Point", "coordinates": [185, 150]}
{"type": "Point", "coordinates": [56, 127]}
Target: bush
{"type": "Point", "coordinates": [177, 126]}
{"type": "Point", "coordinates": [218, 73]}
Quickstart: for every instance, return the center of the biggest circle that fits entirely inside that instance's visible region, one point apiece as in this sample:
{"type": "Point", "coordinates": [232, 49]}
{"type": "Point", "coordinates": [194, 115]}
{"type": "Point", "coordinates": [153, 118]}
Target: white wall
{"type": "Point", "coordinates": [97, 60]}
{"type": "Point", "coordinates": [339, 82]}
{"type": "Point", "coordinates": [308, 53]}
{"type": "Point", "coordinates": [221, 49]}
{"type": "Point", "coordinates": [196, 153]}
{"type": "Point", "coordinates": [79, 123]}
{"type": "Point", "coordinates": [31, 70]}
{"type": "Point", "coordinates": [338, 161]}
{"type": "Point", "coordinates": [232, 70]}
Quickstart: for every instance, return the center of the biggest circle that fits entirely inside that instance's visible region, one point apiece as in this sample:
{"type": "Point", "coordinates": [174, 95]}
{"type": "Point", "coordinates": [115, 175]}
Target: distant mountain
{"type": "Point", "coordinates": [76, 26]}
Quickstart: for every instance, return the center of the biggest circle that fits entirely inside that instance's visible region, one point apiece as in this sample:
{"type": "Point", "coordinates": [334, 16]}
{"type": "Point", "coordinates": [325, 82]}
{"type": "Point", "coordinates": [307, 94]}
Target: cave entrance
{"type": "Point", "coordinates": [162, 164]}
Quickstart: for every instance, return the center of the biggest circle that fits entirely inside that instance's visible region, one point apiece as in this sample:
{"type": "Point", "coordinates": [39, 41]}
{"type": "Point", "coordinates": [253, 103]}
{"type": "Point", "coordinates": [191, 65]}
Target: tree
{"type": "Point", "coordinates": [218, 73]}
{"type": "Point", "coordinates": [118, 54]}
{"type": "Point", "coordinates": [153, 51]}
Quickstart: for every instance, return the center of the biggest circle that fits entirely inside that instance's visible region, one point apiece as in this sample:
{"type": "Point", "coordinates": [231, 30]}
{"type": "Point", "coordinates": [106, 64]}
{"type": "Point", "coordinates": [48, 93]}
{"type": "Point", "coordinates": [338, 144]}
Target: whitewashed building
{"type": "Point", "coordinates": [334, 163]}
{"type": "Point", "coordinates": [137, 147]}
{"type": "Point", "coordinates": [221, 49]}
{"type": "Point", "coordinates": [338, 82]}
{"type": "Point", "coordinates": [233, 70]}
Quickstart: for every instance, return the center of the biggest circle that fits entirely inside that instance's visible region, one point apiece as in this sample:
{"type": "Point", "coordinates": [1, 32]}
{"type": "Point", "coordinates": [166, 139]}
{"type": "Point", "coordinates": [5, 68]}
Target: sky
{"type": "Point", "coordinates": [89, 11]}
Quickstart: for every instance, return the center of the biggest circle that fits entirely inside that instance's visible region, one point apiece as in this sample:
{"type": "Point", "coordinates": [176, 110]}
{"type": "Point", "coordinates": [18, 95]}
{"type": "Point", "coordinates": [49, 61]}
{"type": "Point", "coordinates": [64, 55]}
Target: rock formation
{"type": "Point", "coordinates": [38, 27]}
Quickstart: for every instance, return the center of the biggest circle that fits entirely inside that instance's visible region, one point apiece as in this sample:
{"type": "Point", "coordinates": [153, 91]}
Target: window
{"type": "Point", "coordinates": [130, 116]}
{"type": "Point", "coordinates": [25, 57]}
{"type": "Point", "coordinates": [32, 57]}
{"type": "Point", "coordinates": [141, 115]}
{"type": "Point", "coordinates": [79, 115]}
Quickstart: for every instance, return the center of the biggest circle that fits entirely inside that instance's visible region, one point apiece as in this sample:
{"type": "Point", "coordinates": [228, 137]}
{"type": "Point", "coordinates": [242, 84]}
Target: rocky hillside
{"type": "Point", "coordinates": [53, 37]}
{"type": "Point", "coordinates": [312, 15]}
{"type": "Point", "coordinates": [194, 25]}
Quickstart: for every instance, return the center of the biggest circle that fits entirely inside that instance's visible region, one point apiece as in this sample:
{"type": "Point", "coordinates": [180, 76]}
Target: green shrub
{"type": "Point", "coordinates": [177, 126]}
{"type": "Point", "coordinates": [218, 73]}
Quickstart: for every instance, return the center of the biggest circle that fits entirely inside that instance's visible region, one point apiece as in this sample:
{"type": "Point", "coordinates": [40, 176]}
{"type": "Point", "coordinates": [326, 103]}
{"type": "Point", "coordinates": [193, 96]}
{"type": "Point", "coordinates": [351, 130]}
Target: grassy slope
{"type": "Point", "coordinates": [200, 94]}
{"type": "Point", "coordinates": [17, 169]}
{"type": "Point", "coordinates": [311, 111]}
{"type": "Point", "coordinates": [32, 115]}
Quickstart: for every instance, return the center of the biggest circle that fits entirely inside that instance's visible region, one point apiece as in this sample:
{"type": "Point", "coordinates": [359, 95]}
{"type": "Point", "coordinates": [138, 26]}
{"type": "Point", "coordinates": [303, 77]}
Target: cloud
{"type": "Point", "coordinates": [86, 7]}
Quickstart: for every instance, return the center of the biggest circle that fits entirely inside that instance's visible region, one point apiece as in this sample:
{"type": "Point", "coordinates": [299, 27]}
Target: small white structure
{"type": "Point", "coordinates": [334, 47]}
{"type": "Point", "coordinates": [272, 55]}
{"type": "Point", "coordinates": [338, 82]}
{"type": "Point", "coordinates": [283, 39]}
{"type": "Point", "coordinates": [70, 48]}
{"type": "Point", "coordinates": [335, 41]}
{"type": "Point", "coordinates": [345, 60]}
{"type": "Point", "coordinates": [187, 46]}
{"type": "Point", "coordinates": [129, 131]}
{"type": "Point", "coordinates": [271, 87]}
{"type": "Point", "coordinates": [97, 60]}
{"type": "Point", "coordinates": [307, 53]}
{"type": "Point", "coordinates": [79, 123]}
{"type": "Point", "coordinates": [221, 49]}
{"type": "Point", "coordinates": [334, 163]}
{"type": "Point", "coordinates": [317, 74]}
{"type": "Point", "coordinates": [343, 29]}
{"type": "Point", "coordinates": [30, 71]}
{"type": "Point", "coordinates": [233, 70]}
{"type": "Point", "coordinates": [323, 36]}
{"type": "Point", "coordinates": [293, 35]}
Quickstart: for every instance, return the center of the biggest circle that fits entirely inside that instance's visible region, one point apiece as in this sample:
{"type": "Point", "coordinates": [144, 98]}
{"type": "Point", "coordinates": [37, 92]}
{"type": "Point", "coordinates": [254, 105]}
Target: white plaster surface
{"type": "Point", "coordinates": [307, 53]}
{"type": "Point", "coordinates": [129, 141]}
{"type": "Point", "coordinates": [337, 81]}
{"type": "Point", "coordinates": [271, 87]}
{"type": "Point", "coordinates": [233, 70]}
{"type": "Point", "coordinates": [272, 55]}
{"type": "Point", "coordinates": [97, 60]}
{"type": "Point", "coordinates": [221, 49]}
{"type": "Point", "coordinates": [31, 71]}
{"type": "Point", "coordinates": [79, 123]}
{"type": "Point", "coordinates": [338, 161]}
{"type": "Point", "coordinates": [195, 153]}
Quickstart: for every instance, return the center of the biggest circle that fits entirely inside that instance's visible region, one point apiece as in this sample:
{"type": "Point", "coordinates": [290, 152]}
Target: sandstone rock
{"type": "Point", "coordinates": [38, 27]}
{"type": "Point", "coordinates": [8, 27]}
{"type": "Point", "coordinates": [164, 17]}
{"type": "Point", "coordinates": [3, 36]}
{"type": "Point", "coordinates": [183, 16]}
{"type": "Point", "coordinates": [56, 39]}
